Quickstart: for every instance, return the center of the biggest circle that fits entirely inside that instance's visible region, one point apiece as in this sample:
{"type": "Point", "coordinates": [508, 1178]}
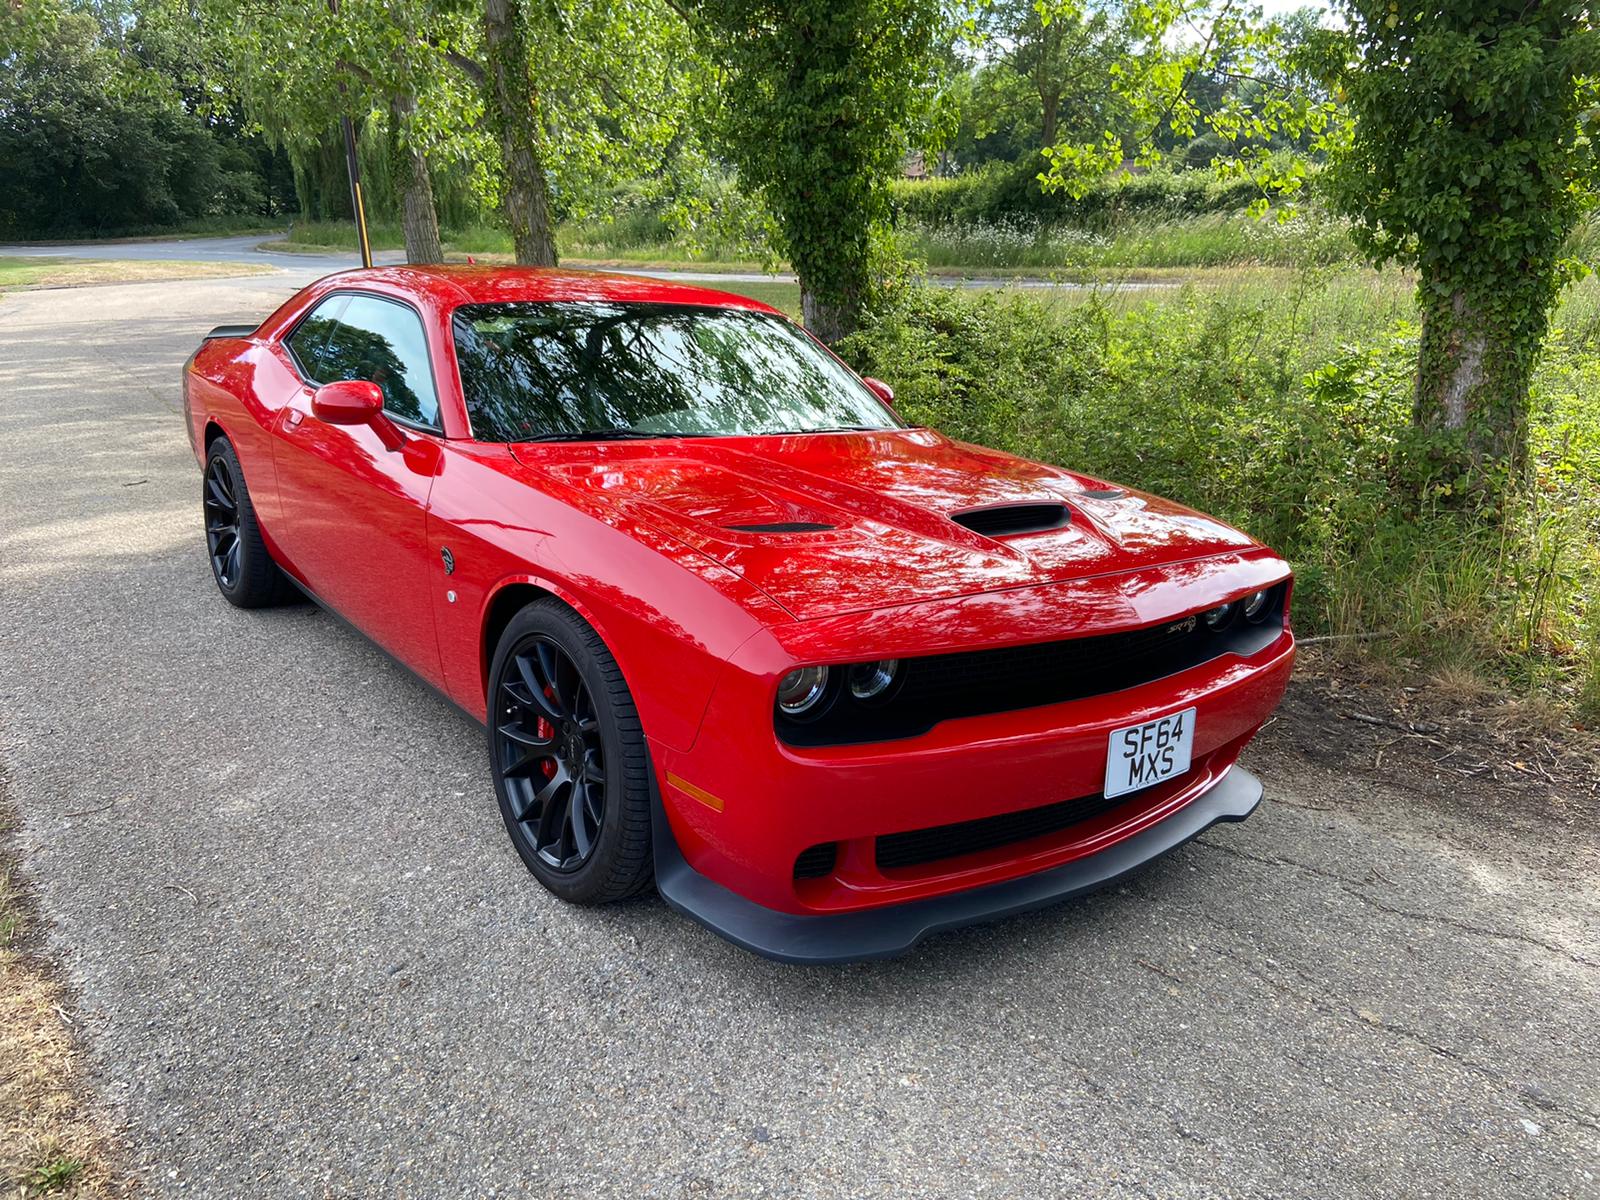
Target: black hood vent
{"type": "Point", "coordinates": [1004, 520]}
{"type": "Point", "coordinates": [781, 527]}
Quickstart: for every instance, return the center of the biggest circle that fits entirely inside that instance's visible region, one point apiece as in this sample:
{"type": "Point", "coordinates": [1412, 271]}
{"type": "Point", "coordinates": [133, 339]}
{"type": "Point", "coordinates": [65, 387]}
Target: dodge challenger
{"type": "Point", "coordinates": [829, 680]}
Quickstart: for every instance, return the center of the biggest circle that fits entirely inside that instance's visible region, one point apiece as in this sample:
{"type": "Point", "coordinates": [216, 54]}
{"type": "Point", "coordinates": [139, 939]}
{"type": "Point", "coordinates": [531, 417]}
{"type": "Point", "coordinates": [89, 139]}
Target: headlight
{"type": "Point", "coordinates": [1255, 606]}
{"type": "Point", "coordinates": [799, 690]}
{"type": "Point", "coordinates": [871, 680]}
{"type": "Point", "coordinates": [1219, 616]}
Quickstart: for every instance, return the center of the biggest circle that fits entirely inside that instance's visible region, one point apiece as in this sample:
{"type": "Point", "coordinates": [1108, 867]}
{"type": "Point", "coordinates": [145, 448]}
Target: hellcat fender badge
{"type": "Point", "coordinates": [450, 565]}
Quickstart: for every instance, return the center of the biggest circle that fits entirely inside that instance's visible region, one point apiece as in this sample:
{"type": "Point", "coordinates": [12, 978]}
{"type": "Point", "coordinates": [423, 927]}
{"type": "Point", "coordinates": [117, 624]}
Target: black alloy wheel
{"type": "Point", "coordinates": [571, 770]}
{"type": "Point", "coordinates": [241, 564]}
{"type": "Point", "coordinates": [222, 521]}
{"type": "Point", "coordinates": [550, 754]}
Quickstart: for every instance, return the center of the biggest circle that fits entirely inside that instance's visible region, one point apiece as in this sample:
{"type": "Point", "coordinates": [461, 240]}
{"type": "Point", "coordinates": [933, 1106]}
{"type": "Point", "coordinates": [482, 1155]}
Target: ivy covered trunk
{"type": "Point", "coordinates": [1472, 380]}
{"type": "Point", "coordinates": [1470, 160]}
{"type": "Point", "coordinates": [832, 317]}
{"type": "Point", "coordinates": [513, 113]}
{"type": "Point", "coordinates": [817, 97]}
{"type": "Point", "coordinates": [418, 219]}
{"type": "Point", "coordinates": [829, 320]}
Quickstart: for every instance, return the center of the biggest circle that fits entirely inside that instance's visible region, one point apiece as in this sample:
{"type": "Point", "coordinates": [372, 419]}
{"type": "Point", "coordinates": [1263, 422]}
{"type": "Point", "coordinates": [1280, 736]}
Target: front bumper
{"type": "Point", "coordinates": [886, 931]}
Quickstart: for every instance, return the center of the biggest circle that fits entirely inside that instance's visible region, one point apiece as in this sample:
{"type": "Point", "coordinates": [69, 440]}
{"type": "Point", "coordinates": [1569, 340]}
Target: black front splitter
{"type": "Point", "coordinates": [894, 929]}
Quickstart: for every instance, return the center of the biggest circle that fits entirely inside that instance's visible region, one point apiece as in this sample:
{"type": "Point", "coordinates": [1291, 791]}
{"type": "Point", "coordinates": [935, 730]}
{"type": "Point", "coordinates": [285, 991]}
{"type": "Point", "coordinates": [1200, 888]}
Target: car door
{"type": "Point", "coordinates": [353, 517]}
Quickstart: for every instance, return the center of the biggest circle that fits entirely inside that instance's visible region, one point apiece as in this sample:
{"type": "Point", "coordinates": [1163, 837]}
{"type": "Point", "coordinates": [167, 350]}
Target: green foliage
{"type": "Point", "coordinates": [95, 141]}
{"type": "Point", "coordinates": [55, 1174]}
{"type": "Point", "coordinates": [999, 193]}
{"type": "Point", "coordinates": [1287, 412]}
{"type": "Point", "coordinates": [816, 101]}
{"type": "Point", "coordinates": [1471, 160]}
{"type": "Point", "coordinates": [597, 90]}
{"type": "Point", "coordinates": [1309, 239]}
{"type": "Point", "coordinates": [297, 66]}
{"type": "Point", "coordinates": [1064, 55]}
{"type": "Point", "coordinates": [694, 200]}
{"type": "Point", "coordinates": [1215, 69]}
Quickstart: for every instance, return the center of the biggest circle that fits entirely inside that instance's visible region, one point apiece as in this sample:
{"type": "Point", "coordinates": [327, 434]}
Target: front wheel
{"type": "Point", "coordinates": [568, 756]}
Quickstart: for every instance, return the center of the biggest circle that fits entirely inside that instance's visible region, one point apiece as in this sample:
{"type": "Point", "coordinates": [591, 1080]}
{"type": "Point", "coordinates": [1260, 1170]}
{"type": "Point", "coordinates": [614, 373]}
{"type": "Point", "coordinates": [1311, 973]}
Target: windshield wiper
{"type": "Point", "coordinates": [830, 429]}
{"type": "Point", "coordinates": [610, 435]}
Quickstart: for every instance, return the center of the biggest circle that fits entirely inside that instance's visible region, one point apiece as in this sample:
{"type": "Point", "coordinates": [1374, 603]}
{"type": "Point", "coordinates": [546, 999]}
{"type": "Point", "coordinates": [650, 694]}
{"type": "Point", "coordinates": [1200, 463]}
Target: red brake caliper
{"type": "Point", "coordinates": [546, 731]}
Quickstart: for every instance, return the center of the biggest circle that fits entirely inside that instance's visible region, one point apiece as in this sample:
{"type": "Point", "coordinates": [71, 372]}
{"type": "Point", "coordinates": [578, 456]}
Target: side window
{"type": "Point", "coordinates": [365, 337]}
{"type": "Point", "coordinates": [311, 337]}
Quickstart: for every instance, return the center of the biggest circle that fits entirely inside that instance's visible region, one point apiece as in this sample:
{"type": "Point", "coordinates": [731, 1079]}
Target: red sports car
{"type": "Point", "coordinates": [831, 681]}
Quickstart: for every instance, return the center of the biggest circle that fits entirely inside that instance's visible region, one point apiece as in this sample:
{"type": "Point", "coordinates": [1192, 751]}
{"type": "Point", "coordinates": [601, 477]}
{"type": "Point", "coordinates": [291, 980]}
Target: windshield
{"type": "Point", "coordinates": [570, 370]}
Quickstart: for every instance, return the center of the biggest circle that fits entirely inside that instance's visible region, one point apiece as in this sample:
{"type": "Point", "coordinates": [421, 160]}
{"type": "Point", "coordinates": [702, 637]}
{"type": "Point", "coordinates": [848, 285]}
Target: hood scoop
{"type": "Point", "coordinates": [1005, 520]}
{"type": "Point", "coordinates": [783, 527]}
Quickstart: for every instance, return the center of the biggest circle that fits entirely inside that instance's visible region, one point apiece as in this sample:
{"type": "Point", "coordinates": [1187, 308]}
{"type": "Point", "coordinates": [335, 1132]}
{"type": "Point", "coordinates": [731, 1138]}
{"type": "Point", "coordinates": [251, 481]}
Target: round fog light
{"type": "Point", "coordinates": [1219, 616]}
{"type": "Point", "coordinates": [799, 690]}
{"type": "Point", "coordinates": [872, 679]}
{"type": "Point", "coordinates": [1255, 606]}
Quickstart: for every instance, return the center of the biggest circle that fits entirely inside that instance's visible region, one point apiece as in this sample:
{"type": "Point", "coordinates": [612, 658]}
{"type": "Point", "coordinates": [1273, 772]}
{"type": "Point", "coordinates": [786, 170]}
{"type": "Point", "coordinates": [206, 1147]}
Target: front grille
{"type": "Point", "coordinates": [920, 846]}
{"type": "Point", "coordinates": [943, 687]}
{"type": "Point", "coordinates": [816, 861]}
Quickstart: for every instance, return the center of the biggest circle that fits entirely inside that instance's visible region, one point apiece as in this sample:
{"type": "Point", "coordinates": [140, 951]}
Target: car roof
{"type": "Point", "coordinates": [449, 285]}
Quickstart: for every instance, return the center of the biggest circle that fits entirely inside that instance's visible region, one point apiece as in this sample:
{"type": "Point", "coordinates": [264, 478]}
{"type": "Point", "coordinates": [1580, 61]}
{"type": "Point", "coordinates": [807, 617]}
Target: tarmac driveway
{"type": "Point", "coordinates": [310, 964]}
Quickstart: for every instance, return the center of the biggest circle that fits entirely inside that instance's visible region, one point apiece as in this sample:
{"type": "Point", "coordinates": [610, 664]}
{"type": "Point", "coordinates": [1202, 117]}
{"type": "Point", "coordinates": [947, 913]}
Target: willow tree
{"type": "Point", "coordinates": [540, 102]}
{"type": "Point", "coordinates": [299, 66]}
{"type": "Point", "coordinates": [816, 103]}
{"type": "Point", "coordinates": [575, 94]}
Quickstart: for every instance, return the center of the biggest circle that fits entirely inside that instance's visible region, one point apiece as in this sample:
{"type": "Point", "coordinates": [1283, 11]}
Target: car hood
{"type": "Point", "coordinates": [838, 522]}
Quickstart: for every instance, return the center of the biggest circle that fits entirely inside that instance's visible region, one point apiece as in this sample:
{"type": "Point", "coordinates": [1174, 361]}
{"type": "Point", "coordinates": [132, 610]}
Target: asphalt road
{"type": "Point", "coordinates": [309, 963]}
{"type": "Point", "coordinates": [247, 250]}
{"type": "Point", "coordinates": [200, 249]}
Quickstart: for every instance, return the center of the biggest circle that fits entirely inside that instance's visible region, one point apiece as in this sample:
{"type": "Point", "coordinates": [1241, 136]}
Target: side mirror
{"type": "Point", "coordinates": [880, 389]}
{"type": "Point", "coordinates": [356, 402]}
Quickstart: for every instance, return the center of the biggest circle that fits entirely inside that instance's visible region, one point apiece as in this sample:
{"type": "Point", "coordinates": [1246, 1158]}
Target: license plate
{"type": "Point", "coordinates": [1141, 755]}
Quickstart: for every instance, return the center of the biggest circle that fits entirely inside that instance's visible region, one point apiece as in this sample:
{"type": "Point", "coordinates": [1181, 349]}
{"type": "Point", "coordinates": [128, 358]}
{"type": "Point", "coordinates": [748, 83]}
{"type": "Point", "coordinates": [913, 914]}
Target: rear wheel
{"type": "Point", "coordinates": [240, 561]}
{"type": "Point", "coordinates": [568, 756]}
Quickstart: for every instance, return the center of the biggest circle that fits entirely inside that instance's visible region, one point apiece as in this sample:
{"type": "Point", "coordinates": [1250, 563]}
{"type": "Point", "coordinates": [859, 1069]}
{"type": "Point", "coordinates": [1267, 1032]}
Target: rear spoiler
{"type": "Point", "coordinates": [230, 331]}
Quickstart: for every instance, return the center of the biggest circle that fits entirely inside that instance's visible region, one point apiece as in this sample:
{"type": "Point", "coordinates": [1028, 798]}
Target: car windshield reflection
{"type": "Point", "coordinates": [574, 371]}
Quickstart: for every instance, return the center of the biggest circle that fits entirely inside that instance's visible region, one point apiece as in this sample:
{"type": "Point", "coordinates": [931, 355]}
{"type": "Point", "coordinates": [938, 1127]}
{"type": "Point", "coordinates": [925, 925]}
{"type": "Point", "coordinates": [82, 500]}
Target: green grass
{"type": "Point", "coordinates": [323, 236]}
{"type": "Point", "coordinates": [17, 271]}
{"type": "Point", "coordinates": [1217, 240]}
{"type": "Point", "coordinates": [590, 245]}
{"type": "Point", "coordinates": [56, 1174]}
{"type": "Point", "coordinates": [234, 226]}
{"type": "Point", "coordinates": [1201, 242]}
{"type": "Point", "coordinates": [10, 909]}
{"type": "Point", "coordinates": [783, 296]}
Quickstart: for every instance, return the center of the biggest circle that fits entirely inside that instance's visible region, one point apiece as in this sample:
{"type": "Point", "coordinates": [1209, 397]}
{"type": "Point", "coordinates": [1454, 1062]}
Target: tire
{"type": "Point", "coordinates": [560, 713]}
{"type": "Point", "coordinates": [241, 564]}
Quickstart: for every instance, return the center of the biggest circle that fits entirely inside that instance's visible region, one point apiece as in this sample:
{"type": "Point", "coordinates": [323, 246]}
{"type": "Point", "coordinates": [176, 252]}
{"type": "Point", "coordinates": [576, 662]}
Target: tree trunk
{"type": "Point", "coordinates": [514, 117]}
{"type": "Point", "coordinates": [1471, 383]}
{"type": "Point", "coordinates": [1052, 109]}
{"type": "Point", "coordinates": [830, 320]}
{"type": "Point", "coordinates": [418, 218]}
